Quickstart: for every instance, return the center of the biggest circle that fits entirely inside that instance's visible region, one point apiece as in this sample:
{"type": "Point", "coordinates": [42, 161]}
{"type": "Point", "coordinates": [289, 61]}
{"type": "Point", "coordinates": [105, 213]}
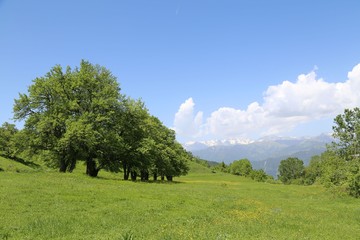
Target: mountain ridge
{"type": "Point", "coordinates": [265, 153]}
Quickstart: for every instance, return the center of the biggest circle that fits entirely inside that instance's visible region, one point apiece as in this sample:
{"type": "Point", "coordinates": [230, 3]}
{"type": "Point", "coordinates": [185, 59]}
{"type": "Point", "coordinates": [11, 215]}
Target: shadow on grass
{"type": "Point", "coordinates": [22, 161]}
{"type": "Point", "coordinates": [157, 182]}
{"type": "Point", "coordinates": [139, 181]}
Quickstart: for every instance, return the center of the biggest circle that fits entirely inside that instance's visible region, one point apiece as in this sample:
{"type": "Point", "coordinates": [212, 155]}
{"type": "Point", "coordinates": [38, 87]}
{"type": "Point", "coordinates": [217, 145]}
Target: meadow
{"type": "Point", "coordinates": [45, 204]}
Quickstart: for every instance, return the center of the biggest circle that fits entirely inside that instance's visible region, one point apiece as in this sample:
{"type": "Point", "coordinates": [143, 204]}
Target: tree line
{"type": "Point", "coordinates": [243, 167]}
{"type": "Point", "coordinates": [338, 167]}
{"type": "Point", "coordinates": [79, 114]}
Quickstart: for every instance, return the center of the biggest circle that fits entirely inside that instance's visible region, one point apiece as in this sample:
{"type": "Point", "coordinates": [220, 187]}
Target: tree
{"type": "Point", "coordinates": [259, 175]}
{"type": "Point", "coordinates": [241, 167]}
{"type": "Point", "coordinates": [291, 169]}
{"type": "Point", "coordinates": [334, 170]}
{"type": "Point", "coordinates": [70, 113]}
{"type": "Point", "coordinates": [222, 167]}
{"type": "Point", "coordinates": [131, 132]}
{"type": "Point", "coordinates": [7, 133]}
{"type": "Point", "coordinates": [347, 132]}
{"type": "Point", "coordinates": [148, 147]}
{"type": "Point", "coordinates": [313, 170]}
{"type": "Point", "coordinates": [164, 155]}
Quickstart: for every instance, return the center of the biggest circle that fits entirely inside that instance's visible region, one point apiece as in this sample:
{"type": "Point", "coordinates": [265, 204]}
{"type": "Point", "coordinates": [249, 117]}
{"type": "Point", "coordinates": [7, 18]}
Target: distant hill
{"type": "Point", "coordinates": [265, 153]}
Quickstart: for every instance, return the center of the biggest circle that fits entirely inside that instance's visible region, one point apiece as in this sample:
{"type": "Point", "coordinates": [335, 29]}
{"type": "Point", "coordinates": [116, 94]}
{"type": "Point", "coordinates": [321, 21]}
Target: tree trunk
{"type": "Point", "coordinates": [133, 175]}
{"type": "Point", "coordinates": [126, 175]}
{"type": "Point", "coordinates": [72, 165]}
{"type": "Point", "coordinates": [126, 171]}
{"type": "Point", "coordinates": [162, 177]}
{"type": "Point", "coordinates": [91, 168]}
{"type": "Point", "coordinates": [169, 178]}
{"type": "Point", "coordinates": [63, 166]}
{"type": "Point", "coordinates": [155, 176]}
{"type": "Point", "coordinates": [144, 175]}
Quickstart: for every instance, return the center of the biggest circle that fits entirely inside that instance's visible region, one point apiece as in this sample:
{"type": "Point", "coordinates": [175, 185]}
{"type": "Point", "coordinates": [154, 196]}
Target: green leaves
{"type": "Point", "coordinates": [79, 114]}
{"type": "Point", "coordinates": [347, 131]}
{"type": "Point", "coordinates": [7, 133]}
{"type": "Point", "coordinates": [291, 169]}
{"type": "Point", "coordinates": [241, 167]}
{"type": "Point", "coordinates": [69, 112]}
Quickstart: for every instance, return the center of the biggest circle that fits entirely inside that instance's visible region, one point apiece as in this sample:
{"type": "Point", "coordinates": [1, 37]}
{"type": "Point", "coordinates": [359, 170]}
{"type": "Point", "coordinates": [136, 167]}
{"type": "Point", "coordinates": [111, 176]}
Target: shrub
{"type": "Point", "coordinates": [259, 175]}
{"type": "Point", "coordinates": [354, 186]}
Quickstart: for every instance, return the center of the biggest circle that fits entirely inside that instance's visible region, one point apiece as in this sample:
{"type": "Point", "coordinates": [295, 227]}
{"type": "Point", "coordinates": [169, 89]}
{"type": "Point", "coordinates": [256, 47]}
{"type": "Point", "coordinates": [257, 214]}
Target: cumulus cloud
{"type": "Point", "coordinates": [284, 107]}
{"type": "Point", "coordinates": [186, 123]}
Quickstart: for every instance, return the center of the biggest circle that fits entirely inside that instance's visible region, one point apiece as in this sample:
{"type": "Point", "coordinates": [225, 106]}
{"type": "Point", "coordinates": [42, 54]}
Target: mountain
{"type": "Point", "coordinates": [264, 153]}
{"type": "Point", "coordinates": [196, 146]}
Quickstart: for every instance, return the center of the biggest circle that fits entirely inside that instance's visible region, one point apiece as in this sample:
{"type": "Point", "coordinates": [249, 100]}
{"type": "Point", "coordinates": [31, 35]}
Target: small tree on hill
{"type": "Point", "coordinates": [241, 167]}
{"type": "Point", "coordinates": [291, 169]}
{"type": "Point", "coordinates": [259, 175]}
{"type": "Point", "coordinates": [7, 133]}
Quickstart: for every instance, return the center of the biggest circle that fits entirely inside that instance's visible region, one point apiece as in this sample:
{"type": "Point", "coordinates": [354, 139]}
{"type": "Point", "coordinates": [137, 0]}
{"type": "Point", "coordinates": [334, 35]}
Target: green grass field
{"type": "Point", "coordinates": [43, 204]}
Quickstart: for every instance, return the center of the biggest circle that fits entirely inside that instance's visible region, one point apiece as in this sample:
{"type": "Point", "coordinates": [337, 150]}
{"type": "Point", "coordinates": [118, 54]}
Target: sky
{"type": "Point", "coordinates": [209, 69]}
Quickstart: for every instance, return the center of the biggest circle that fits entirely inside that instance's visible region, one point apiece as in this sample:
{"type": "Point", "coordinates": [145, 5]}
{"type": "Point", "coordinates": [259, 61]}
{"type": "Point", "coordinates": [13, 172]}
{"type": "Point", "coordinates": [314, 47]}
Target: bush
{"type": "Point", "coordinates": [354, 186]}
{"type": "Point", "coordinates": [291, 169]}
{"type": "Point", "coordinates": [259, 175]}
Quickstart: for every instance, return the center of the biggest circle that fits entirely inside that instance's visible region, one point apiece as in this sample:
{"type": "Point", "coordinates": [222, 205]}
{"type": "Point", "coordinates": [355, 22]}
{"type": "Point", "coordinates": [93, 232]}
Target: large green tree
{"type": "Point", "coordinates": [131, 132]}
{"type": "Point", "coordinates": [149, 146]}
{"type": "Point", "coordinates": [70, 113]}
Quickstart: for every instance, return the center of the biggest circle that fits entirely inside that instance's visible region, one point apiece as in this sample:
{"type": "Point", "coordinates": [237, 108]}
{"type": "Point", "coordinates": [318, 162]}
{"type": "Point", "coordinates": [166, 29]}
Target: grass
{"type": "Point", "coordinates": [202, 205]}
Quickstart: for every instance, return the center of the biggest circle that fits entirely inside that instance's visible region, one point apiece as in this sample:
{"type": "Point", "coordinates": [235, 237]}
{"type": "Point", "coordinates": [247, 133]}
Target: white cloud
{"type": "Point", "coordinates": [284, 107]}
{"type": "Point", "coordinates": [185, 123]}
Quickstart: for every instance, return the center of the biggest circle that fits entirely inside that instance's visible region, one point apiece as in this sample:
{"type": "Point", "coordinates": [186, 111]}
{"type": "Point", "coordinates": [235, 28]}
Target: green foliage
{"type": "Point", "coordinates": [354, 186]}
{"type": "Point", "coordinates": [347, 131]}
{"type": "Point", "coordinates": [333, 169]}
{"type": "Point", "coordinates": [259, 175]}
{"type": "Point", "coordinates": [79, 114]}
{"type": "Point", "coordinates": [241, 167]}
{"type": "Point", "coordinates": [313, 170]}
{"type": "Point", "coordinates": [340, 165]}
{"type": "Point", "coordinates": [291, 169]}
{"type": "Point", "coordinates": [222, 167]}
{"type": "Point", "coordinates": [7, 134]}
{"type": "Point", "coordinates": [69, 112]}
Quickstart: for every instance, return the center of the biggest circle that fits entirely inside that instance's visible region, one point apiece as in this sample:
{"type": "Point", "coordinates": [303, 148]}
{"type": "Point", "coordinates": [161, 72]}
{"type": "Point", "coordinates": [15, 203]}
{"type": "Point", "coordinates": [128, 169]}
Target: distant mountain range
{"type": "Point", "coordinates": [265, 153]}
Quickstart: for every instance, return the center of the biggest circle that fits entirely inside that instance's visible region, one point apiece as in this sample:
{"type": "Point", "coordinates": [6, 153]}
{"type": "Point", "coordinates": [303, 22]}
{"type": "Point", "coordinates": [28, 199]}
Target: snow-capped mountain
{"type": "Point", "coordinates": [264, 153]}
{"type": "Point", "coordinates": [195, 146]}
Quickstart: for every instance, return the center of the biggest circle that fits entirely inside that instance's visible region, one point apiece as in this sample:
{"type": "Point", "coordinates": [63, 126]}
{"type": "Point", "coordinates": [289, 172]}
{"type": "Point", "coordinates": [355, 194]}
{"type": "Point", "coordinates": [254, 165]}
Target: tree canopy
{"type": "Point", "coordinates": [80, 114]}
{"type": "Point", "coordinates": [338, 167]}
{"type": "Point", "coordinates": [7, 134]}
{"type": "Point", "coordinates": [241, 167]}
{"type": "Point", "coordinates": [290, 169]}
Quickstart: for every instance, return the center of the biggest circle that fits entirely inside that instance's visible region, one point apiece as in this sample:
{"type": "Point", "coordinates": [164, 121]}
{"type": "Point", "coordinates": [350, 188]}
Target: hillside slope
{"type": "Point", "coordinates": [10, 165]}
{"type": "Point", "coordinates": [202, 205]}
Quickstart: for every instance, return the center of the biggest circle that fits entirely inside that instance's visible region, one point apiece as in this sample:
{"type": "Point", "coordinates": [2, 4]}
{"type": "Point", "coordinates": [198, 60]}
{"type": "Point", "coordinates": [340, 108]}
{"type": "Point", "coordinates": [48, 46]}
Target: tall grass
{"type": "Point", "coordinates": [202, 205]}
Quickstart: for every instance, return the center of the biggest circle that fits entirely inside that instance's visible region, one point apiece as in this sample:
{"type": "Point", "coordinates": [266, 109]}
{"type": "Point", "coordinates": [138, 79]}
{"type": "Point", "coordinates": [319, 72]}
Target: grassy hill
{"type": "Point", "coordinates": [203, 205]}
{"type": "Point", "coordinates": [9, 165]}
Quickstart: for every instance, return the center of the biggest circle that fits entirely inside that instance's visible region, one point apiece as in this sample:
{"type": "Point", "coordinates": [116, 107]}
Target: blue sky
{"type": "Point", "coordinates": [205, 68]}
